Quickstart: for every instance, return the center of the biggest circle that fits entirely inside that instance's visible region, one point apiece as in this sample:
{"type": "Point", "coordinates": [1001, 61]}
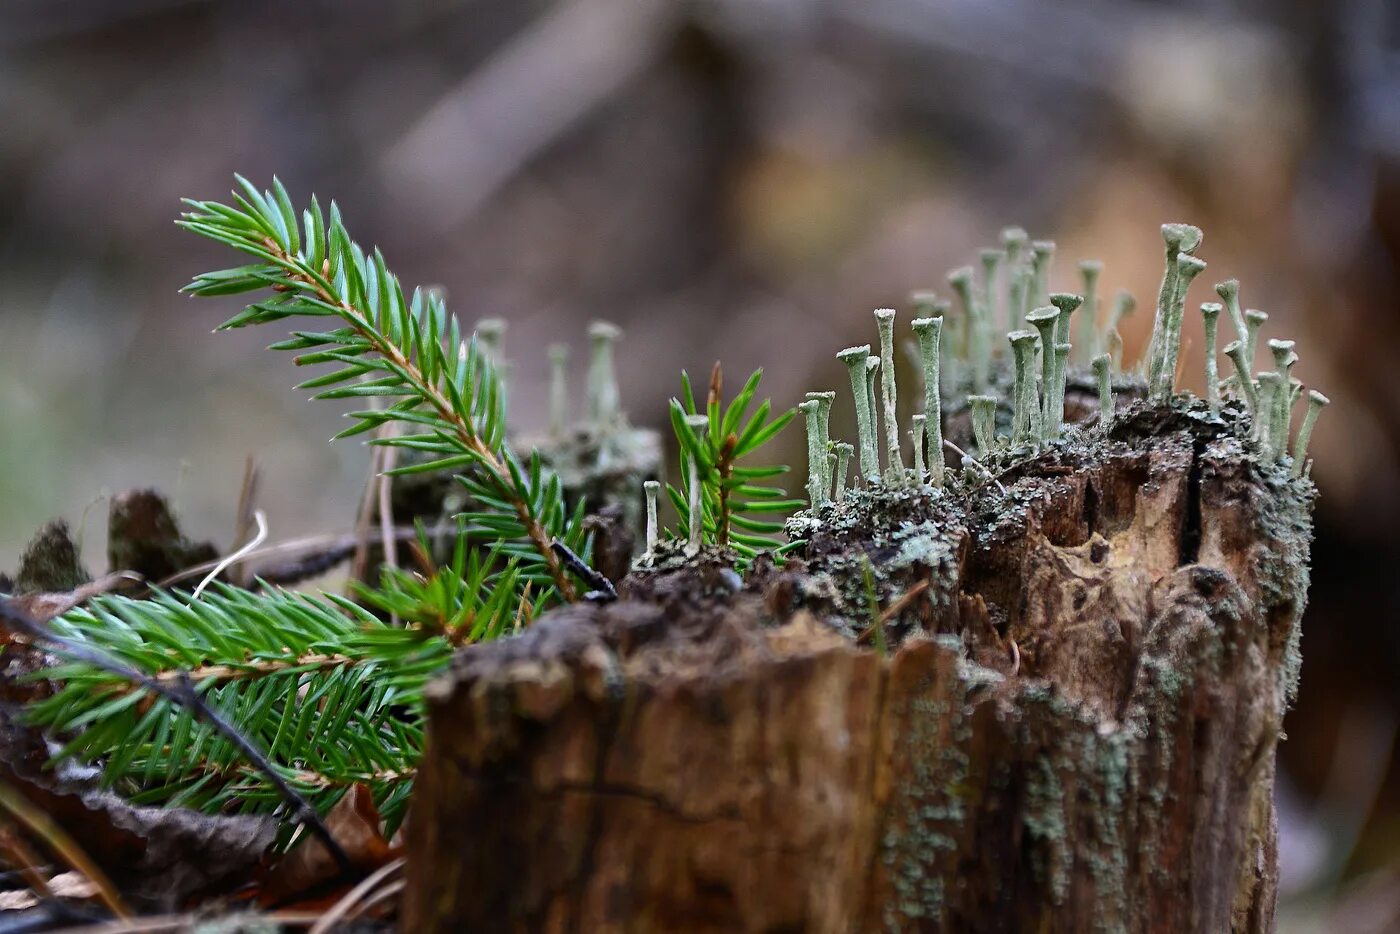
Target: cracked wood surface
{"type": "Point", "coordinates": [1074, 731]}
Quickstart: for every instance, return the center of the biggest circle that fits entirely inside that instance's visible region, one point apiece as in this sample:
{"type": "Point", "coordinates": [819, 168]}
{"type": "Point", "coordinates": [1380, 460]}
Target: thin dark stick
{"type": "Point", "coordinates": [603, 590]}
{"type": "Point", "coordinates": [183, 692]}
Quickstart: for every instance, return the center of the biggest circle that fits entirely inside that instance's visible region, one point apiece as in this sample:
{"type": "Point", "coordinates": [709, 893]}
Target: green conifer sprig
{"type": "Point", "coordinates": [732, 495]}
{"type": "Point", "coordinates": [332, 694]}
{"type": "Point", "coordinates": [407, 349]}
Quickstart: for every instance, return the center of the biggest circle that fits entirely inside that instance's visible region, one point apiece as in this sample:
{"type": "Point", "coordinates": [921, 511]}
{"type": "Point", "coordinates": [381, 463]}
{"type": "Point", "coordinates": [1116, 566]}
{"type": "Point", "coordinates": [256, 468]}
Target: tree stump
{"type": "Point", "coordinates": [1072, 728]}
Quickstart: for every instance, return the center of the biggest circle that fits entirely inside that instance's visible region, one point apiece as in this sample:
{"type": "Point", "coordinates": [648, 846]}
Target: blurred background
{"type": "Point", "coordinates": [726, 179]}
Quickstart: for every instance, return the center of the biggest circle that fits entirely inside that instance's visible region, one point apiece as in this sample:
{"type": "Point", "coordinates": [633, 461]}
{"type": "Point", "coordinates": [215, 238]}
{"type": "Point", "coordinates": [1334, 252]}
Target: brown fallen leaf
{"type": "Point", "coordinates": [157, 857]}
{"type": "Point", "coordinates": [72, 885]}
{"type": "Point", "coordinates": [356, 825]}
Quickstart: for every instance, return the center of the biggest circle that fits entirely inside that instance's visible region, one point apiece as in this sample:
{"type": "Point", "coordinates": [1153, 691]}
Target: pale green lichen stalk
{"type": "Point", "coordinates": [872, 367]}
{"type": "Point", "coordinates": [1284, 358]}
{"type": "Point", "coordinates": [1316, 402]}
{"type": "Point", "coordinates": [1210, 315]}
{"type": "Point", "coordinates": [1253, 323]}
{"type": "Point", "coordinates": [889, 396]}
{"type": "Point", "coordinates": [1023, 421]}
{"type": "Point", "coordinates": [1179, 239]}
{"type": "Point", "coordinates": [817, 483]}
{"type": "Point", "coordinates": [844, 453]}
{"type": "Point", "coordinates": [824, 402]}
{"type": "Point", "coordinates": [855, 358]}
{"type": "Point", "coordinates": [989, 298]}
{"type": "Point", "coordinates": [1089, 272]}
{"type": "Point", "coordinates": [1102, 365]}
{"type": "Point", "coordinates": [1055, 407]}
{"type": "Point", "coordinates": [976, 332]}
{"type": "Point", "coordinates": [1123, 306]}
{"type": "Point", "coordinates": [1229, 292]}
{"type": "Point", "coordinates": [1249, 390]}
{"type": "Point", "coordinates": [1042, 254]}
{"type": "Point", "coordinates": [984, 422]}
{"type": "Point", "coordinates": [929, 332]}
{"type": "Point", "coordinates": [916, 440]}
{"type": "Point", "coordinates": [604, 405]}
{"type": "Point", "coordinates": [1046, 320]}
{"type": "Point", "coordinates": [1187, 269]}
{"type": "Point", "coordinates": [491, 338]}
{"type": "Point", "coordinates": [1263, 415]}
{"type": "Point", "coordinates": [558, 390]}
{"type": "Point", "coordinates": [696, 524]}
{"type": "Point", "coordinates": [652, 489]}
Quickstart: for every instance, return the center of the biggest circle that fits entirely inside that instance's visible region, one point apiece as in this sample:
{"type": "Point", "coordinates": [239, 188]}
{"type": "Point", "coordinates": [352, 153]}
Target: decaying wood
{"type": "Point", "coordinates": [1074, 729]}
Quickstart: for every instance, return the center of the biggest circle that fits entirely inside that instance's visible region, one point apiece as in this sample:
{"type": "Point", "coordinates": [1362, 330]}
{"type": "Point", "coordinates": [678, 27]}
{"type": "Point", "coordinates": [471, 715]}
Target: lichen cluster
{"type": "Point", "coordinates": [955, 353]}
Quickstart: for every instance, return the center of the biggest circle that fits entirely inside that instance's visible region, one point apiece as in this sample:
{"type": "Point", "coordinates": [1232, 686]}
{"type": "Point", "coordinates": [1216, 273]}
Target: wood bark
{"type": "Point", "coordinates": [1073, 729]}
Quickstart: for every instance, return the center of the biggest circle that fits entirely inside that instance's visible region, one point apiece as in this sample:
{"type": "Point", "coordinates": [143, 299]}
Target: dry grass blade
{"type": "Point", "coordinates": [64, 847]}
{"type": "Point", "coordinates": [341, 910]}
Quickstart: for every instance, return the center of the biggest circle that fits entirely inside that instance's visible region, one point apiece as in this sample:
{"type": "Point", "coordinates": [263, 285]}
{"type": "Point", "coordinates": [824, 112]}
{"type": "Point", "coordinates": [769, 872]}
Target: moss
{"type": "Point", "coordinates": [927, 806]}
{"type": "Point", "coordinates": [50, 562]}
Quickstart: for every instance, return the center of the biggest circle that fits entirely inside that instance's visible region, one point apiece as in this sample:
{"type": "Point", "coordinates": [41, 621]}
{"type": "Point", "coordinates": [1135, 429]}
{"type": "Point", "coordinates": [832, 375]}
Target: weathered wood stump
{"type": "Point", "coordinates": [1073, 729]}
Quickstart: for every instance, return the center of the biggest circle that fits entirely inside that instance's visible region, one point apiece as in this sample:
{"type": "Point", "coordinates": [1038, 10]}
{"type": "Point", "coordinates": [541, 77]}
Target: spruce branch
{"type": "Point", "coordinates": [408, 349]}
{"type": "Point", "coordinates": [241, 699]}
{"type": "Point", "coordinates": [730, 493]}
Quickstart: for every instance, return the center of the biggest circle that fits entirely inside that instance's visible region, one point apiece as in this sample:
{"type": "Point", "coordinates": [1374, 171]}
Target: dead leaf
{"type": "Point", "coordinates": [356, 825]}
{"type": "Point", "coordinates": [158, 857]}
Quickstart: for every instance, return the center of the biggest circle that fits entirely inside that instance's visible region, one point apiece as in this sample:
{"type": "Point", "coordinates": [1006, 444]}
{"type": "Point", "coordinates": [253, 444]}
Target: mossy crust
{"type": "Point", "coordinates": [1072, 729]}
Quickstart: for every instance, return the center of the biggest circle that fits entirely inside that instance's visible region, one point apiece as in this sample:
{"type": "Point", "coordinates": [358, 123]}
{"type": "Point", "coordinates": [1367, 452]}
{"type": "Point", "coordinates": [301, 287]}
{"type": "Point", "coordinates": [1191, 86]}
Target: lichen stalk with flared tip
{"type": "Point", "coordinates": [1284, 358]}
{"type": "Point", "coordinates": [604, 406]}
{"type": "Point", "coordinates": [855, 359]}
{"type": "Point", "coordinates": [1179, 239]}
{"type": "Point", "coordinates": [1263, 415]}
{"type": "Point", "coordinates": [1089, 272]}
{"type": "Point", "coordinates": [889, 397]}
{"type": "Point", "coordinates": [1102, 365]}
{"type": "Point", "coordinates": [1042, 254]}
{"type": "Point", "coordinates": [1187, 268]}
{"type": "Point", "coordinates": [1024, 418]}
{"type": "Point", "coordinates": [1210, 314]}
{"type": "Point", "coordinates": [696, 502]}
{"type": "Point", "coordinates": [984, 422]}
{"type": "Point", "coordinates": [1123, 305]}
{"type": "Point", "coordinates": [558, 390]}
{"type": "Point", "coordinates": [1229, 292]}
{"type": "Point", "coordinates": [1055, 407]}
{"type": "Point", "coordinates": [929, 331]}
{"type": "Point", "coordinates": [1316, 402]}
{"type": "Point", "coordinates": [817, 483]}
{"type": "Point", "coordinates": [1249, 390]}
{"type": "Point", "coordinates": [1253, 322]}
{"type": "Point", "coordinates": [844, 452]}
{"type": "Point", "coordinates": [652, 488]}
{"type": "Point", "coordinates": [916, 438]}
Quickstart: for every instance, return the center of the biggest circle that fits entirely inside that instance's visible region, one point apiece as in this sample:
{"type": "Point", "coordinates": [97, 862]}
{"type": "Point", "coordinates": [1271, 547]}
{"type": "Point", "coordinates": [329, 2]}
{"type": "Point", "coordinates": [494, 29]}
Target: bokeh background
{"type": "Point", "coordinates": [726, 179]}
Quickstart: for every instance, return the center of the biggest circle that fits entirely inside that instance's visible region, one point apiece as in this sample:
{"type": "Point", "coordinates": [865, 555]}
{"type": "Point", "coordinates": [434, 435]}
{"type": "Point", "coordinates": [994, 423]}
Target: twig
{"type": "Point", "coordinates": [247, 506]}
{"type": "Point", "coordinates": [25, 860]}
{"type": "Point", "coordinates": [906, 598]}
{"type": "Point", "coordinates": [602, 590]}
{"type": "Point", "coordinates": [261, 518]}
{"type": "Point", "coordinates": [58, 840]}
{"type": "Point", "coordinates": [894, 609]}
{"type": "Point", "coordinates": [980, 466]}
{"type": "Point", "coordinates": [182, 692]}
{"type": "Point", "coordinates": [340, 911]}
{"type": "Point", "coordinates": [319, 549]}
{"type": "Point", "coordinates": [159, 924]}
